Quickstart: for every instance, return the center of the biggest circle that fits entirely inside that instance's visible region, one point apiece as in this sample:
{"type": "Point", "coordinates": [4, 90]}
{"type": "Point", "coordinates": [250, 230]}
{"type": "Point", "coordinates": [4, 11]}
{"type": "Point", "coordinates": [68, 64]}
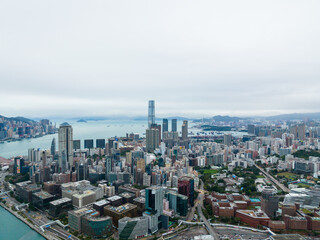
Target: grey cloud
{"type": "Point", "coordinates": [192, 57]}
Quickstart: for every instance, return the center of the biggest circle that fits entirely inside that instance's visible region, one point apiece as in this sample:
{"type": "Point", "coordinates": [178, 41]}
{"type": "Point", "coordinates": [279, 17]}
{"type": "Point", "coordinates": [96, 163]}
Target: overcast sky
{"type": "Point", "coordinates": [194, 58]}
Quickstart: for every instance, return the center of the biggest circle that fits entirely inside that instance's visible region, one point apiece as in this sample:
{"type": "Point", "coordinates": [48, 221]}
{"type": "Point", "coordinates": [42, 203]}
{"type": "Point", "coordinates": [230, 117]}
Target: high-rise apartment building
{"type": "Point", "coordinates": [65, 147]}
{"type": "Point", "coordinates": [186, 187]}
{"type": "Point", "coordinates": [152, 139]}
{"type": "Point", "coordinates": [227, 139]}
{"type": "Point", "coordinates": [44, 158]}
{"type": "Point", "coordinates": [100, 143]}
{"type": "Point", "coordinates": [53, 147]}
{"type": "Point", "coordinates": [157, 126]}
{"type": "Point", "coordinates": [165, 125]}
{"type": "Point", "coordinates": [251, 129]}
{"type": "Point", "coordinates": [76, 144]}
{"type": "Point", "coordinates": [185, 130]}
{"type": "Point", "coordinates": [82, 171]}
{"type": "Point", "coordinates": [174, 125]}
{"type": "Point", "coordinates": [299, 132]}
{"type": "Point", "coordinates": [151, 114]}
{"type": "Point", "coordinates": [88, 143]}
{"type": "Point", "coordinates": [108, 165]}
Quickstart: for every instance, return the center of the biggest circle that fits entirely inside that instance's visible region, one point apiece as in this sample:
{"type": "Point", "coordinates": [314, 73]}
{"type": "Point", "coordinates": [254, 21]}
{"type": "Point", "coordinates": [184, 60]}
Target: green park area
{"type": "Point", "coordinates": [210, 171]}
{"type": "Point", "coordinates": [288, 175]}
{"type": "Point", "coordinates": [303, 185]}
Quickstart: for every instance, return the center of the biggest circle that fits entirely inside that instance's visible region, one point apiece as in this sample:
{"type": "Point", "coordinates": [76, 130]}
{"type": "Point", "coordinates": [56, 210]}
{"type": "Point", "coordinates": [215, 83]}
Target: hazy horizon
{"type": "Point", "coordinates": [196, 59]}
{"type": "Point", "coordinates": [145, 117]}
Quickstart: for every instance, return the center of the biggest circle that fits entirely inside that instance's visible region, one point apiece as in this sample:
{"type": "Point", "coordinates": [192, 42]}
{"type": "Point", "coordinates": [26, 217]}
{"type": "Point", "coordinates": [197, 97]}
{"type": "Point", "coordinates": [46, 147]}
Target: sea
{"type": "Point", "coordinates": [12, 228]}
{"type": "Point", "coordinates": [81, 130]}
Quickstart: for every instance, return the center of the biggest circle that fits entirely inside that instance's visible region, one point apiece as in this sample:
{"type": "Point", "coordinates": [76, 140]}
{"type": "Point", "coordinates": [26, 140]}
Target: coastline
{"type": "Point", "coordinates": [26, 222]}
{"type": "Point", "coordinates": [24, 138]}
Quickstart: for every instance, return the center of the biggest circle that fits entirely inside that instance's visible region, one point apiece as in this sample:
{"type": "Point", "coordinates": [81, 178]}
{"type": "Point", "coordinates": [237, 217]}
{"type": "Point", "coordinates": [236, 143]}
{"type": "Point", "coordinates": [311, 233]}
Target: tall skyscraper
{"type": "Point", "coordinates": [185, 130]}
{"type": "Point", "coordinates": [152, 139]}
{"type": "Point", "coordinates": [82, 171]}
{"type": "Point", "coordinates": [174, 125]}
{"type": "Point", "coordinates": [165, 125]}
{"type": "Point", "coordinates": [159, 128]}
{"type": "Point", "coordinates": [227, 139]}
{"type": "Point", "coordinates": [53, 147]}
{"type": "Point", "coordinates": [151, 114]}
{"type": "Point", "coordinates": [76, 144]}
{"type": "Point", "coordinates": [299, 132]}
{"type": "Point", "coordinates": [65, 147]}
{"type": "Point", "coordinates": [108, 165]}
{"type": "Point", "coordinates": [186, 187]}
{"type": "Point", "coordinates": [251, 128]}
{"type": "Point", "coordinates": [100, 143]}
{"type": "Point", "coordinates": [88, 143]}
{"type": "Point", "coordinates": [154, 199]}
{"type": "Point", "coordinates": [44, 158]}
{"type": "Point", "coordinates": [154, 206]}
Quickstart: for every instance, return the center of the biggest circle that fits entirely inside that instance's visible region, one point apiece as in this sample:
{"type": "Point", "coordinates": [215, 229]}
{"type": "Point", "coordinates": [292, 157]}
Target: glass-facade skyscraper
{"type": "Point", "coordinates": [174, 125]}
{"type": "Point", "coordinates": [151, 114]}
{"type": "Point", "coordinates": [165, 125]}
{"type": "Point", "coordinates": [65, 147]}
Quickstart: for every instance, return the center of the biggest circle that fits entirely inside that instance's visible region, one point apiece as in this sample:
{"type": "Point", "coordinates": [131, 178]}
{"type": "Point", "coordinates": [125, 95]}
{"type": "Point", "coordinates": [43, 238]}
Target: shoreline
{"type": "Point", "coordinates": [30, 225]}
{"type": "Point", "coordinates": [24, 138]}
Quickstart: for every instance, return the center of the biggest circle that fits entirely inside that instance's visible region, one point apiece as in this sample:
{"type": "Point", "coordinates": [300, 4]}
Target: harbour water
{"type": "Point", "coordinates": [11, 228]}
{"type": "Point", "coordinates": [81, 130]}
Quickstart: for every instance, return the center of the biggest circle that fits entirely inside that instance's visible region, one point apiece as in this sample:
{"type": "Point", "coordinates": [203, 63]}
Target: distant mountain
{"type": "Point", "coordinates": [81, 121]}
{"type": "Point", "coordinates": [220, 118]}
{"type": "Point", "coordinates": [22, 119]}
{"type": "Point", "coordinates": [295, 116]}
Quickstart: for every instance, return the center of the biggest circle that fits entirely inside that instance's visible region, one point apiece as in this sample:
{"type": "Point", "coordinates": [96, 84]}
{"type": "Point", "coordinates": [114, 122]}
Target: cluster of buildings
{"type": "Point", "coordinates": [93, 213]}
{"type": "Point", "coordinates": [18, 128]}
{"type": "Point", "coordinates": [260, 212]}
{"type": "Point", "coordinates": [133, 185]}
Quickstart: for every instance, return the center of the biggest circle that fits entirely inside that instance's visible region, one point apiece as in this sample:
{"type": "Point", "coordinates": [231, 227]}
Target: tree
{"type": "Point", "coordinates": [31, 207]}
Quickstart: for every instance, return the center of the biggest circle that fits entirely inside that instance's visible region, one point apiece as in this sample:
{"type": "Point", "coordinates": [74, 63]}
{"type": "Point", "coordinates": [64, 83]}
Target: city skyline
{"type": "Point", "coordinates": [194, 59]}
{"type": "Point", "coordinates": [160, 119]}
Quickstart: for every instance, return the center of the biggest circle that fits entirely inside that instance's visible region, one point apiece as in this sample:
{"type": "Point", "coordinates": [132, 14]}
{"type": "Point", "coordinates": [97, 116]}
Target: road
{"type": "Point", "coordinates": [199, 205]}
{"type": "Point", "coordinates": [235, 234]}
{"type": "Point", "coordinates": [272, 179]}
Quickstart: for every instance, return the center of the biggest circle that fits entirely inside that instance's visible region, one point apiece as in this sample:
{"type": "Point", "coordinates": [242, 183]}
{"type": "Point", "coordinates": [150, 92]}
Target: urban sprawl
{"type": "Point", "coordinates": [224, 178]}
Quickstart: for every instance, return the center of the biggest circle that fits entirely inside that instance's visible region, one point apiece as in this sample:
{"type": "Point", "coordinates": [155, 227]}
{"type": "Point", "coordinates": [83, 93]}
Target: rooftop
{"type": "Point", "coordinates": [60, 201]}
{"type": "Point", "coordinates": [122, 208]}
{"type": "Point", "coordinates": [127, 195]}
{"type": "Point", "coordinates": [84, 194]}
{"type": "Point", "coordinates": [43, 194]}
{"type": "Point", "coordinates": [128, 219]}
{"type": "Point", "coordinates": [95, 217]}
{"type": "Point", "coordinates": [101, 203]}
{"type": "Point", "coordinates": [22, 184]}
{"type": "Point", "coordinates": [114, 198]}
{"type": "Point", "coordinates": [254, 214]}
{"type": "Point", "coordinates": [64, 124]}
{"type": "Point", "coordinates": [140, 200]}
{"type": "Point", "coordinates": [83, 211]}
